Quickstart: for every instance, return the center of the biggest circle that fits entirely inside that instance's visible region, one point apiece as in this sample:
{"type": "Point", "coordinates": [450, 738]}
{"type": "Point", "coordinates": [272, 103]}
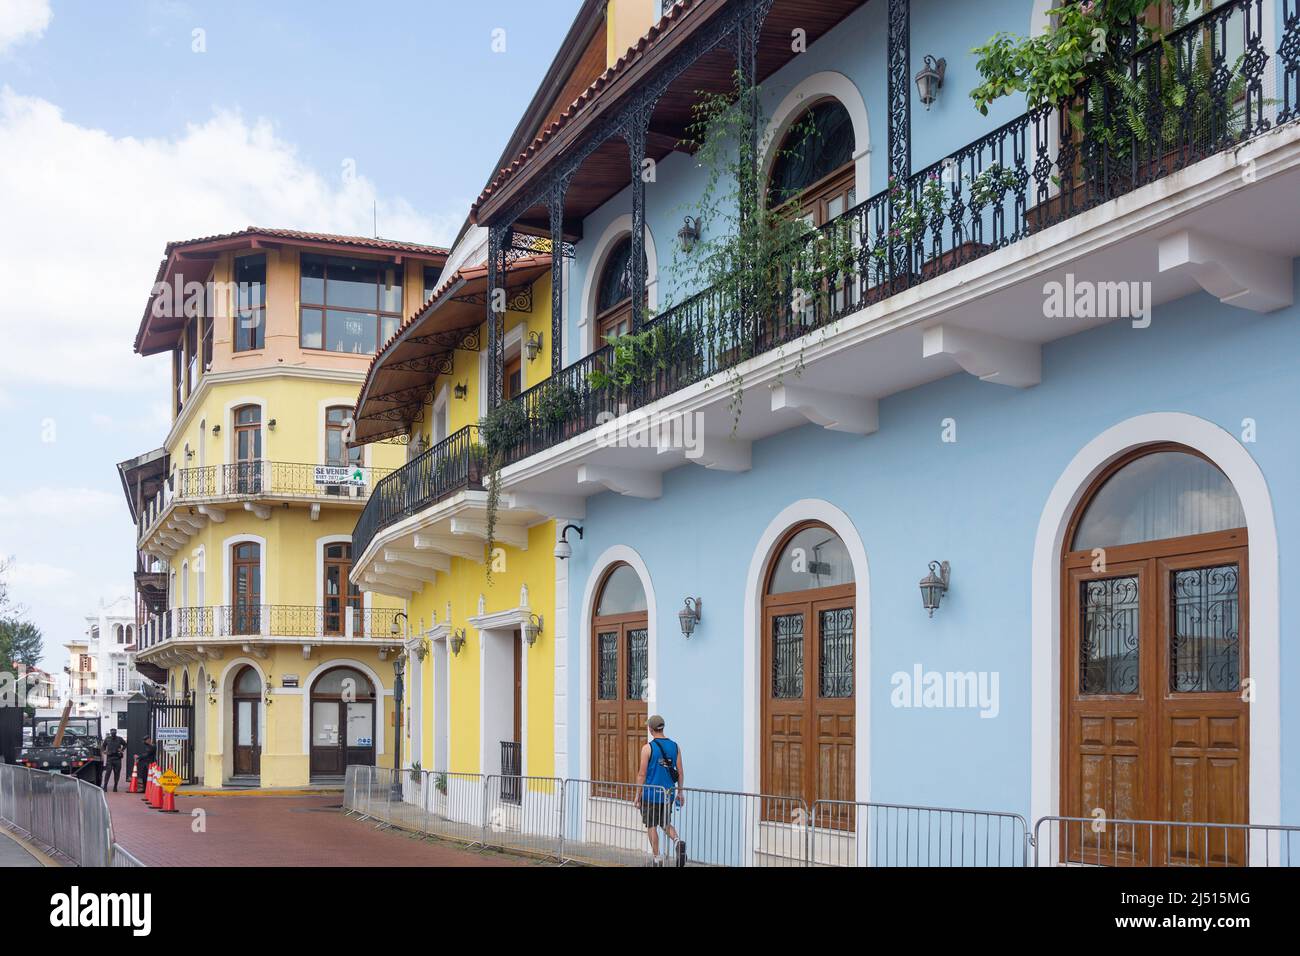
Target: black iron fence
{"type": "Point", "coordinates": [511, 768]}
{"type": "Point", "coordinates": [454, 464]}
{"type": "Point", "coordinates": [171, 725]}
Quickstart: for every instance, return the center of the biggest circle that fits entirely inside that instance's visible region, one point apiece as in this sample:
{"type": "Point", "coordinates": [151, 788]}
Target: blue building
{"type": "Point", "coordinates": [1051, 371]}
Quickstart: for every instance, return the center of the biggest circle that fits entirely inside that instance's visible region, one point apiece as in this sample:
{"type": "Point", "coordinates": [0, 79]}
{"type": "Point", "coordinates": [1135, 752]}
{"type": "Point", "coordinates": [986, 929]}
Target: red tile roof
{"type": "Point", "coordinates": [292, 235]}
{"type": "Point", "coordinates": [665, 23]}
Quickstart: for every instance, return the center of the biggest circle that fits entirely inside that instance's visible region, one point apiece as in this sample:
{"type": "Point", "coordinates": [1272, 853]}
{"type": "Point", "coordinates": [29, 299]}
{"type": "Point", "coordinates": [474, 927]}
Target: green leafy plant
{"type": "Point", "coordinates": [1049, 68]}
{"type": "Point", "coordinates": [440, 783]}
{"type": "Point", "coordinates": [557, 402]}
{"type": "Point", "coordinates": [640, 356]}
{"type": "Point", "coordinates": [500, 430]}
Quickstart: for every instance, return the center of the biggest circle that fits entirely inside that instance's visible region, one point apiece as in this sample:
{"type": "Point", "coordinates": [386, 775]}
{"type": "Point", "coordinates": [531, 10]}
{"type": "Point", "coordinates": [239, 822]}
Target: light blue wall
{"type": "Point", "coordinates": [856, 48]}
{"type": "Point", "coordinates": [976, 503]}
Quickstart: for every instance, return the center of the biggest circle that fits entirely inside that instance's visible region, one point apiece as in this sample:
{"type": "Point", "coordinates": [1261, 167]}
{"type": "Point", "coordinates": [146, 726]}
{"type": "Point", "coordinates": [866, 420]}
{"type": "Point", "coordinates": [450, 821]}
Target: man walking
{"type": "Point", "coordinates": [112, 749]}
{"type": "Point", "coordinates": [659, 783]}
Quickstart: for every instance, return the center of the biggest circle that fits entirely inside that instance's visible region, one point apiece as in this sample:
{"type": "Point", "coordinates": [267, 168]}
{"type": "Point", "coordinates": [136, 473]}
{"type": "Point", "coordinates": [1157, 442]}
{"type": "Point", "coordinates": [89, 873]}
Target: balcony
{"type": "Point", "coordinates": [210, 489]}
{"type": "Point", "coordinates": [457, 463]}
{"type": "Point", "coordinates": [186, 633]}
{"type": "Point", "coordinates": [1011, 186]}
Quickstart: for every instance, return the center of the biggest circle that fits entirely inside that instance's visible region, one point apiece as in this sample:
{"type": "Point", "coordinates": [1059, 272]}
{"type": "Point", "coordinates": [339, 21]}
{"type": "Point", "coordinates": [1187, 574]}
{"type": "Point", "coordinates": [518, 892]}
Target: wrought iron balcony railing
{"type": "Point", "coordinates": [270, 620]}
{"type": "Point", "coordinates": [1205, 88]}
{"type": "Point", "coordinates": [262, 479]}
{"type": "Point", "coordinates": [454, 464]}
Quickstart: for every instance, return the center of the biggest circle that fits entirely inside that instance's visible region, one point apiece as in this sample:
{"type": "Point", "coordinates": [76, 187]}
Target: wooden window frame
{"type": "Point", "coordinates": [325, 308]}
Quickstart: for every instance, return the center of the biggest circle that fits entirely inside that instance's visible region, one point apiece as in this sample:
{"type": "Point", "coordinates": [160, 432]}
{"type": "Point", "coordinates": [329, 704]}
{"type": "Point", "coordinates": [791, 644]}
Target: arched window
{"type": "Point", "coordinates": [808, 677]}
{"type": "Point", "coordinates": [246, 587]}
{"type": "Point", "coordinates": [342, 721]}
{"type": "Point", "coordinates": [614, 293]}
{"type": "Point", "coordinates": [1154, 648]}
{"type": "Point", "coordinates": [130, 634]}
{"type": "Point", "coordinates": [185, 684]}
{"type": "Point", "coordinates": [813, 169]}
{"type": "Point", "coordinates": [248, 449]}
{"type": "Point", "coordinates": [620, 647]}
{"type": "Point", "coordinates": [118, 634]}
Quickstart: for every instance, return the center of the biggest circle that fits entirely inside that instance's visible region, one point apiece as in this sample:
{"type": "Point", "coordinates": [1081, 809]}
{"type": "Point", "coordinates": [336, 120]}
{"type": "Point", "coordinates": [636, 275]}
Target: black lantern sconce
{"type": "Point", "coordinates": [460, 390]}
{"type": "Point", "coordinates": [689, 234]}
{"type": "Point", "coordinates": [930, 79]}
{"type": "Point", "coordinates": [934, 586]}
{"type": "Point", "coordinates": [533, 347]}
{"type": "Point", "coordinates": [457, 641]}
{"type": "Point", "coordinates": [689, 616]}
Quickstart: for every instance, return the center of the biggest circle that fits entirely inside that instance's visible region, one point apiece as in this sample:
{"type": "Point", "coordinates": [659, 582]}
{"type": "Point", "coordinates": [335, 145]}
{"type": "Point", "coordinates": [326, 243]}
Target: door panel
{"type": "Point", "coordinates": [1155, 727]}
{"type": "Point", "coordinates": [620, 669]}
{"type": "Point", "coordinates": [248, 754]}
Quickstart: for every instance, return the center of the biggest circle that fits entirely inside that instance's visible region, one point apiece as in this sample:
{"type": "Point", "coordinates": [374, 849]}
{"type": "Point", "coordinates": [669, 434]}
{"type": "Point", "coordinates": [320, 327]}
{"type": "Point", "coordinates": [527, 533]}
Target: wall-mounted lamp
{"type": "Point", "coordinates": [461, 390]}
{"type": "Point", "coordinates": [394, 628]}
{"type": "Point", "coordinates": [689, 234]}
{"type": "Point", "coordinates": [689, 616]}
{"type": "Point", "coordinates": [934, 586]}
{"type": "Point", "coordinates": [271, 424]}
{"type": "Point", "coordinates": [930, 79]}
{"type": "Point", "coordinates": [189, 452]}
{"type": "Point", "coordinates": [533, 346]}
{"type": "Point", "coordinates": [216, 430]}
{"type": "Point", "coordinates": [422, 649]}
{"type": "Point", "coordinates": [564, 550]}
{"type": "Point", "coordinates": [532, 627]}
{"type": "Point", "coordinates": [456, 641]}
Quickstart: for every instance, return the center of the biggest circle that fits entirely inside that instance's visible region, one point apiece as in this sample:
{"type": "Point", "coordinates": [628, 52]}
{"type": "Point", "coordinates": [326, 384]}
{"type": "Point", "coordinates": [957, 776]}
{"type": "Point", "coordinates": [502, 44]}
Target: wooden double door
{"type": "Point", "coordinates": [620, 666]}
{"type": "Point", "coordinates": [1156, 718]}
{"type": "Point", "coordinates": [808, 734]}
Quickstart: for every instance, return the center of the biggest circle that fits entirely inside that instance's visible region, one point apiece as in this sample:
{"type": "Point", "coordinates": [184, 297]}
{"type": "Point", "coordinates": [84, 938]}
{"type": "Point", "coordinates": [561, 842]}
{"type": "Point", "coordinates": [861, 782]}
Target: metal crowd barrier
{"type": "Point", "coordinates": [61, 812]}
{"type": "Point", "coordinates": [1096, 841]}
{"type": "Point", "coordinates": [845, 833]}
{"type": "Point", "coordinates": [600, 823]}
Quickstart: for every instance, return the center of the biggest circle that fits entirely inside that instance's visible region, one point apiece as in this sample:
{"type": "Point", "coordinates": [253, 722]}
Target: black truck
{"type": "Point", "coordinates": [78, 754]}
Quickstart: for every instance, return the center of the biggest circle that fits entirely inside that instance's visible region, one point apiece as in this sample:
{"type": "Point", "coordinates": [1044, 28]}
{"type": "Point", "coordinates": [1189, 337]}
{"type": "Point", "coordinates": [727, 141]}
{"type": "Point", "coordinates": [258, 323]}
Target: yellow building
{"type": "Point", "coordinates": [245, 514]}
{"type": "Point", "coordinates": [489, 618]}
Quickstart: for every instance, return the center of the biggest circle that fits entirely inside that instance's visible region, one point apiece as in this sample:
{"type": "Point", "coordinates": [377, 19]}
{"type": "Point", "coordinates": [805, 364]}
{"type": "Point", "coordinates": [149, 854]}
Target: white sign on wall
{"type": "Point", "coordinates": [340, 475]}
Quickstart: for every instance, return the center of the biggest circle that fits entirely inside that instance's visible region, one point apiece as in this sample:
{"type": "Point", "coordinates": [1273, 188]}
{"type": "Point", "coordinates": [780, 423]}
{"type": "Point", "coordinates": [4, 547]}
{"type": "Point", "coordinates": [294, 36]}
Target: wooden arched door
{"type": "Point", "coordinates": [1155, 725]}
{"type": "Point", "coordinates": [809, 609]}
{"type": "Point", "coordinates": [620, 649]}
{"type": "Point", "coordinates": [246, 730]}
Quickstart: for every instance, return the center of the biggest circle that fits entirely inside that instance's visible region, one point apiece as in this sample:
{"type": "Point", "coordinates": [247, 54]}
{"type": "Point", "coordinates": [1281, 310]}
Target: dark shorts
{"type": "Point", "coordinates": [656, 814]}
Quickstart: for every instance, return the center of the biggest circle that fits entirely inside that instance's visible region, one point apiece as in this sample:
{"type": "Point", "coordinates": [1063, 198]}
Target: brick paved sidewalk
{"type": "Point", "coordinates": [247, 830]}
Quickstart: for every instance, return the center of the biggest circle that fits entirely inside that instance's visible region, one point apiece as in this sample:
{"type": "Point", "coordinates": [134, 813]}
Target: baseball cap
{"type": "Point", "coordinates": [655, 723]}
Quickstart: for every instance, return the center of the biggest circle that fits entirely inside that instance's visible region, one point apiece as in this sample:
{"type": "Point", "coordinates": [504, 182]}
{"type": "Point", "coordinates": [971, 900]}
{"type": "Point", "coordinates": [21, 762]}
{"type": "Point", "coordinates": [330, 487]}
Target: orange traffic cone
{"type": "Point", "coordinates": [134, 785]}
{"type": "Point", "coordinates": [148, 781]}
{"type": "Point", "coordinates": [168, 804]}
{"type": "Point", "coordinates": [155, 798]}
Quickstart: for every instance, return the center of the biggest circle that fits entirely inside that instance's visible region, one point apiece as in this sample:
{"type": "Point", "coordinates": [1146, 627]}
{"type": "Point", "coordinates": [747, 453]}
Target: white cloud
{"type": "Point", "coordinates": [87, 215]}
{"type": "Point", "coordinates": [22, 20]}
{"type": "Point", "coordinates": [61, 504]}
{"type": "Point", "coordinates": [25, 577]}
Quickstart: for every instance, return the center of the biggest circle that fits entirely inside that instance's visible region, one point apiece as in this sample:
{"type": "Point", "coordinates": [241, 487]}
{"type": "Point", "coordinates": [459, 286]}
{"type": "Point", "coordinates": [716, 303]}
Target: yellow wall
{"type": "Point", "coordinates": [284, 762]}
{"type": "Point", "coordinates": [626, 22]}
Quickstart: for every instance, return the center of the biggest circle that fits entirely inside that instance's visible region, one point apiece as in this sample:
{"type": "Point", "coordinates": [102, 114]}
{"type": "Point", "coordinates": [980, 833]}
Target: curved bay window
{"type": "Point", "coordinates": [813, 173]}
{"type": "Point", "coordinates": [342, 721]}
{"type": "Point", "coordinates": [1155, 651]}
{"type": "Point", "coordinates": [246, 731]}
{"type": "Point", "coordinates": [807, 673]}
{"type": "Point", "coordinates": [620, 644]}
{"type": "Point", "coordinates": [348, 305]}
{"type": "Point", "coordinates": [614, 293]}
{"type": "Point", "coordinates": [341, 596]}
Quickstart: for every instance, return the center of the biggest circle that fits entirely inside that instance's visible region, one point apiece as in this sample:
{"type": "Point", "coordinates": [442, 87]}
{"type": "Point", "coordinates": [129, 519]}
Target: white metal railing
{"type": "Point", "coordinates": [605, 823]}
{"type": "Point", "coordinates": [63, 813]}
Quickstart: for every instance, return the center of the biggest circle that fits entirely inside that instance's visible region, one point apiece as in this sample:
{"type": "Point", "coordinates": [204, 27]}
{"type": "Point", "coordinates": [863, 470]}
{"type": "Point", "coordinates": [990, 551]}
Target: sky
{"type": "Point", "coordinates": [128, 123]}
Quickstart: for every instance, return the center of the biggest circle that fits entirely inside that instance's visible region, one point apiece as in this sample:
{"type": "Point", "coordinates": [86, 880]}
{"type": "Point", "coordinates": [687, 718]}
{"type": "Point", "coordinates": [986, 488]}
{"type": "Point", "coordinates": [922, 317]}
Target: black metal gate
{"type": "Point", "coordinates": [172, 715]}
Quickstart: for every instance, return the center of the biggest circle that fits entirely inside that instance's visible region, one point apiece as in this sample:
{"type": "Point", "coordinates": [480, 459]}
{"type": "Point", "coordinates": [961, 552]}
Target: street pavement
{"type": "Point", "coordinates": [12, 852]}
{"type": "Point", "coordinates": [268, 830]}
